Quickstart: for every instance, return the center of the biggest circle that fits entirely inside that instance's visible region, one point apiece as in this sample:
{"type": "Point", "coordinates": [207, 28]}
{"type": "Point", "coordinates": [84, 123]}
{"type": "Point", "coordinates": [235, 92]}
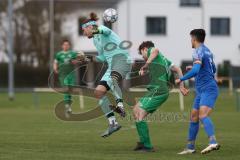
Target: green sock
{"type": "Point", "coordinates": [67, 98]}
{"type": "Point", "coordinates": [144, 133]}
{"type": "Point", "coordinates": [139, 133]}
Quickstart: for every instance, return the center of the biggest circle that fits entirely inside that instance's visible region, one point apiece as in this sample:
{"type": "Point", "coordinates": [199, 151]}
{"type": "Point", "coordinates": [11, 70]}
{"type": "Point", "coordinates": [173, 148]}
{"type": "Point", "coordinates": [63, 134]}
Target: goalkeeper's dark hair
{"type": "Point", "coordinates": [199, 34]}
{"type": "Point", "coordinates": [145, 44]}
{"type": "Point", "coordinates": [92, 17]}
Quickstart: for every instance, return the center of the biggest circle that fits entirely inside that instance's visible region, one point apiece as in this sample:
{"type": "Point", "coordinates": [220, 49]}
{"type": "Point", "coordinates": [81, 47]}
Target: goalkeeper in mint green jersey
{"type": "Point", "coordinates": [64, 67]}
{"type": "Point", "coordinates": [159, 69]}
{"type": "Point", "coordinates": [107, 44]}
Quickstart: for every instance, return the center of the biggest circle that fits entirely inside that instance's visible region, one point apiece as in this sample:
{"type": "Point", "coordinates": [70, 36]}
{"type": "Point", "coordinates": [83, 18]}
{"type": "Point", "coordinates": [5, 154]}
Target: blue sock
{"type": "Point", "coordinates": [192, 134]}
{"type": "Point", "coordinates": [209, 129]}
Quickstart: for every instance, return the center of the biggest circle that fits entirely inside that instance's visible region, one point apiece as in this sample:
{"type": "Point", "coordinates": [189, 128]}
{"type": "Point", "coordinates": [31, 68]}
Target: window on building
{"type": "Point", "coordinates": [220, 26]}
{"type": "Point", "coordinates": [190, 3]}
{"type": "Point", "coordinates": [156, 25]}
{"type": "Point", "coordinates": [80, 22]}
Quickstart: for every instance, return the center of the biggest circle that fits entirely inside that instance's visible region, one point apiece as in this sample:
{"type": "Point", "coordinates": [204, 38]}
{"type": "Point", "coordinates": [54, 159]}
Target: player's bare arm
{"type": "Point", "coordinates": [178, 71]}
{"type": "Point", "coordinates": [153, 55]}
{"type": "Point", "coordinates": [55, 67]}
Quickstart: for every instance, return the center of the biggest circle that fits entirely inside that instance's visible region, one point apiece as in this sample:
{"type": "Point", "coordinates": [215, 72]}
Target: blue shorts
{"type": "Point", "coordinates": [206, 96]}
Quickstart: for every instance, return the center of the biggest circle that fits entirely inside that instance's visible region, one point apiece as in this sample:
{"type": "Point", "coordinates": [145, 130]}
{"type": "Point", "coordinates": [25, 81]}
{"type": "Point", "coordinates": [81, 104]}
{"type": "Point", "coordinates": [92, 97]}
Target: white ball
{"type": "Point", "coordinates": [110, 15]}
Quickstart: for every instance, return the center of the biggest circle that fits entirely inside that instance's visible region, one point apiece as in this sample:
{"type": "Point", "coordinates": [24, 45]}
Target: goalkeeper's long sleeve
{"type": "Point", "coordinates": [106, 31]}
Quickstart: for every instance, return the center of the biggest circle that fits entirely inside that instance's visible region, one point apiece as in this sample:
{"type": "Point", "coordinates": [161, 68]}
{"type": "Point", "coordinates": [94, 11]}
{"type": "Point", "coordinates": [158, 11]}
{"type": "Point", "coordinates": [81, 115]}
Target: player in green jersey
{"type": "Point", "coordinates": [159, 69]}
{"type": "Point", "coordinates": [107, 44]}
{"type": "Point", "coordinates": [63, 66]}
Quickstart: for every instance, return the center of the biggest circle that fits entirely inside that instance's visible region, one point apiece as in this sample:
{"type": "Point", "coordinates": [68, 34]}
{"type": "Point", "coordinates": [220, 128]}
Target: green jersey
{"type": "Point", "coordinates": [107, 44]}
{"type": "Point", "coordinates": [159, 71]}
{"type": "Point", "coordinates": [63, 60]}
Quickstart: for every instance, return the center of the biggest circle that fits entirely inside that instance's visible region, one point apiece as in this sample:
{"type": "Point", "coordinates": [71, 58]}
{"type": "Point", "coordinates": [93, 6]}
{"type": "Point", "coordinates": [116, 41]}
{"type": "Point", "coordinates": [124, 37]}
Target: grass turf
{"type": "Point", "coordinates": [30, 131]}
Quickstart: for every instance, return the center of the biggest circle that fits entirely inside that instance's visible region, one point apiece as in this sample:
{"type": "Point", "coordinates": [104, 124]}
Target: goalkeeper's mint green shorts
{"type": "Point", "coordinates": [153, 100]}
{"type": "Point", "coordinates": [119, 63]}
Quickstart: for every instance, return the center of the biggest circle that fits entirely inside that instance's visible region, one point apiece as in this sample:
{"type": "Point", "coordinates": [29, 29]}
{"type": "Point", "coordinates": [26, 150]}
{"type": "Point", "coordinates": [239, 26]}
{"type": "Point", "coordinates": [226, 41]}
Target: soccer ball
{"type": "Point", "coordinates": [110, 15]}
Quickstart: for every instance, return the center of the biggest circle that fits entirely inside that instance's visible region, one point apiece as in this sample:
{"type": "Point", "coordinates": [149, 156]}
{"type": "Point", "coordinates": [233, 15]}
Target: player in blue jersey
{"type": "Point", "coordinates": [107, 44]}
{"type": "Point", "coordinates": [203, 70]}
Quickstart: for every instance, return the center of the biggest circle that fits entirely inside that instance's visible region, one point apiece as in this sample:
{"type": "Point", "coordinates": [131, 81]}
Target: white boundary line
{"type": "Point", "coordinates": [81, 97]}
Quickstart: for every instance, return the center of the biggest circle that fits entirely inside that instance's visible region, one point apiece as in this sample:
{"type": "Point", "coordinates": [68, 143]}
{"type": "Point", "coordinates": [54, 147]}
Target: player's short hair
{"type": "Point", "coordinates": [65, 40]}
{"type": "Point", "coordinates": [145, 44]}
{"type": "Point", "coordinates": [199, 34]}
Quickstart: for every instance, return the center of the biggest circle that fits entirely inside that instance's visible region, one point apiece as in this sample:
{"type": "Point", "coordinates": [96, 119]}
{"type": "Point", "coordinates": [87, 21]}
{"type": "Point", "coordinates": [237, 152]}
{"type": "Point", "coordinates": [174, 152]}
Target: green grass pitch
{"type": "Point", "coordinates": [29, 130]}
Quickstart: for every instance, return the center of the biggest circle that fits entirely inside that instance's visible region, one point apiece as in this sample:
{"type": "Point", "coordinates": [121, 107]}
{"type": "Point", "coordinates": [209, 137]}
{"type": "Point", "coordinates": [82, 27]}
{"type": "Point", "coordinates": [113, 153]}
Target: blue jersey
{"type": "Point", "coordinates": [208, 68]}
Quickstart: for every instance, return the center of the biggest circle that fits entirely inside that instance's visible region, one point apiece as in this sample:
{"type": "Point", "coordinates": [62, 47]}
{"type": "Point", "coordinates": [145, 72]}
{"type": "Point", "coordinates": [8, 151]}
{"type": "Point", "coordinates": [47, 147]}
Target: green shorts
{"type": "Point", "coordinates": [153, 100]}
{"type": "Point", "coordinates": [69, 80]}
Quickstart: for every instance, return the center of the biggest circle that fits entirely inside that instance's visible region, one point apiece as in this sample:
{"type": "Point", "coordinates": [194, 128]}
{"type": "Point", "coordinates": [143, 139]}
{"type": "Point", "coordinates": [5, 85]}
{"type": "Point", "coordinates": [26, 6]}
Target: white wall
{"type": "Point", "coordinates": [180, 21]}
{"type": "Point", "coordinates": [224, 47]}
{"type": "Point", "coordinates": [175, 44]}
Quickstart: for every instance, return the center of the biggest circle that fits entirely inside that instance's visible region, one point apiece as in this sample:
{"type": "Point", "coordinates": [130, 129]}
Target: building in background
{"type": "Point", "coordinates": [75, 12]}
{"type": "Point", "coordinates": [165, 22]}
